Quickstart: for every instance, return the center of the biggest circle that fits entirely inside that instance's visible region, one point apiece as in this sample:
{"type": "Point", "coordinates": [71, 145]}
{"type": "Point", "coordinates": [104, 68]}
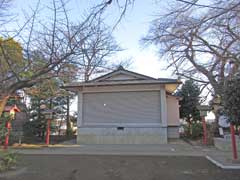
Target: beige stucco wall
{"type": "Point", "coordinates": [172, 111]}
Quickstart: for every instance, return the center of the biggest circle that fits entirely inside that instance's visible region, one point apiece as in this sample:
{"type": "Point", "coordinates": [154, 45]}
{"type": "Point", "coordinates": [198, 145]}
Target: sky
{"type": "Point", "coordinates": [128, 33]}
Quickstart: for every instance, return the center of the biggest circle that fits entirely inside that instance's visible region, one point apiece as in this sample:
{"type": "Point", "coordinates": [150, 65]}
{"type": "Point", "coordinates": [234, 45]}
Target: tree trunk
{"type": "Point", "coordinates": [3, 102]}
{"type": "Point", "coordinates": [189, 123]}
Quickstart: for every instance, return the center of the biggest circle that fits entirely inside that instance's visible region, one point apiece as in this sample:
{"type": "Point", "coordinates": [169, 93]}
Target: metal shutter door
{"type": "Point", "coordinates": [121, 107]}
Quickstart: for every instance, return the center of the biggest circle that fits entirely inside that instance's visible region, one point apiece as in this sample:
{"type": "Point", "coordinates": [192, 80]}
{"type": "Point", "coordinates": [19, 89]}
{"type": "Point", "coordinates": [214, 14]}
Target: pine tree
{"type": "Point", "coordinates": [188, 104]}
{"type": "Point", "coordinates": [53, 98]}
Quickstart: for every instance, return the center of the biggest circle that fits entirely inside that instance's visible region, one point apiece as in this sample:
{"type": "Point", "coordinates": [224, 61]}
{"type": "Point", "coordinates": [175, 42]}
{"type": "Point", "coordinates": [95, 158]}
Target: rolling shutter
{"type": "Point", "coordinates": [121, 107]}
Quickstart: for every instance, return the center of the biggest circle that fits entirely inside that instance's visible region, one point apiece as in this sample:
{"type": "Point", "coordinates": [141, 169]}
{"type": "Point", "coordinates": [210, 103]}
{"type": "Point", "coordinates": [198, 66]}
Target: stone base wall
{"type": "Point", "coordinates": [225, 144]}
{"type": "Point", "coordinates": [173, 132]}
{"type": "Point", "coordinates": [129, 135]}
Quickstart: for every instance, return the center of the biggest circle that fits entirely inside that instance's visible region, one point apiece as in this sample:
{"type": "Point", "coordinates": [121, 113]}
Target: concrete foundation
{"type": "Point", "coordinates": [225, 144]}
{"type": "Point", "coordinates": [122, 135]}
{"type": "Point", "coordinates": [173, 132]}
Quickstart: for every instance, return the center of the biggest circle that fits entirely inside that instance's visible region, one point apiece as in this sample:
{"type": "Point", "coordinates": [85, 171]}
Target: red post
{"type": "Point", "coordinates": [204, 130]}
{"type": "Point", "coordinates": [8, 126]}
{"type": "Point", "coordinates": [234, 145]}
{"type": "Point", "coordinates": [48, 131]}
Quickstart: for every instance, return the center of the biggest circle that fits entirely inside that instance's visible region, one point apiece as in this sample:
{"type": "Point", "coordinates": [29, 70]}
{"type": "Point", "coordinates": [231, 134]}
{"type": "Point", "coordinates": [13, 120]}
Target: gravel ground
{"type": "Point", "coordinates": [109, 167]}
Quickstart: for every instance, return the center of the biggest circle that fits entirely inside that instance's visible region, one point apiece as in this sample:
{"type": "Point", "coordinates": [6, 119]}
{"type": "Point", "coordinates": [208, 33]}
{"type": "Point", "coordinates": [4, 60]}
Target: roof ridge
{"type": "Point", "coordinates": [120, 68]}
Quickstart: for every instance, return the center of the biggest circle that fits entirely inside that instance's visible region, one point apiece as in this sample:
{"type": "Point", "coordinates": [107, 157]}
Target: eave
{"type": "Point", "coordinates": [169, 85]}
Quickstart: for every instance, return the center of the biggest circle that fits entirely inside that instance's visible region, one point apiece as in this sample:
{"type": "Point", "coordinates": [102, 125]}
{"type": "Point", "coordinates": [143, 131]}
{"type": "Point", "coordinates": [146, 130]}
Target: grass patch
{"type": "Point", "coordinates": [8, 160]}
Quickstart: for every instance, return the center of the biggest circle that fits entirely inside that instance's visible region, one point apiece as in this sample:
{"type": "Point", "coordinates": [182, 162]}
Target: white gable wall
{"type": "Point", "coordinates": [121, 76]}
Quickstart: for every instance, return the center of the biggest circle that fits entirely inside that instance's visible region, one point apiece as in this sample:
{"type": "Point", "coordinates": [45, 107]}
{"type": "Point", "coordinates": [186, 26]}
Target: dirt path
{"type": "Point", "coordinates": [81, 167]}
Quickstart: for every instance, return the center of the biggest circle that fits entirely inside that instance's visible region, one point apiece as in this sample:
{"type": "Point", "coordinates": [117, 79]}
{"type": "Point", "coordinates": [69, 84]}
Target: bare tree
{"type": "Point", "coordinates": [201, 42]}
{"type": "Point", "coordinates": [53, 39]}
{"type": "Point", "coordinates": [95, 53]}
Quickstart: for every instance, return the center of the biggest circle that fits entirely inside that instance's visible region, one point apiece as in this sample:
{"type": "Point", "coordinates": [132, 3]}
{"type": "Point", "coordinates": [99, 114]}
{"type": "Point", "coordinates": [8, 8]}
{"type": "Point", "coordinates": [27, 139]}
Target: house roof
{"type": "Point", "coordinates": [120, 70]}
{"type": "Point", "coordinates": [122, 76]}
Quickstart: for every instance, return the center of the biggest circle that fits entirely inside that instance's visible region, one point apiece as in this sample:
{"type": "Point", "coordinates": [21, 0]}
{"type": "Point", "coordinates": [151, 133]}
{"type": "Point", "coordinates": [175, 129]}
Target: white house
{"type": "Point", "coordinates": [124, 107]}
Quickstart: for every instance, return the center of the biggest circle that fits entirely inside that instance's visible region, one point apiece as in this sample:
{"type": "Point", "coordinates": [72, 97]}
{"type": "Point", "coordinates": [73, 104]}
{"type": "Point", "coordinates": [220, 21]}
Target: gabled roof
{"type": "Point", "coordinates": [121, 71]}
{"type": "Point", "coordinates": [122, 76]}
